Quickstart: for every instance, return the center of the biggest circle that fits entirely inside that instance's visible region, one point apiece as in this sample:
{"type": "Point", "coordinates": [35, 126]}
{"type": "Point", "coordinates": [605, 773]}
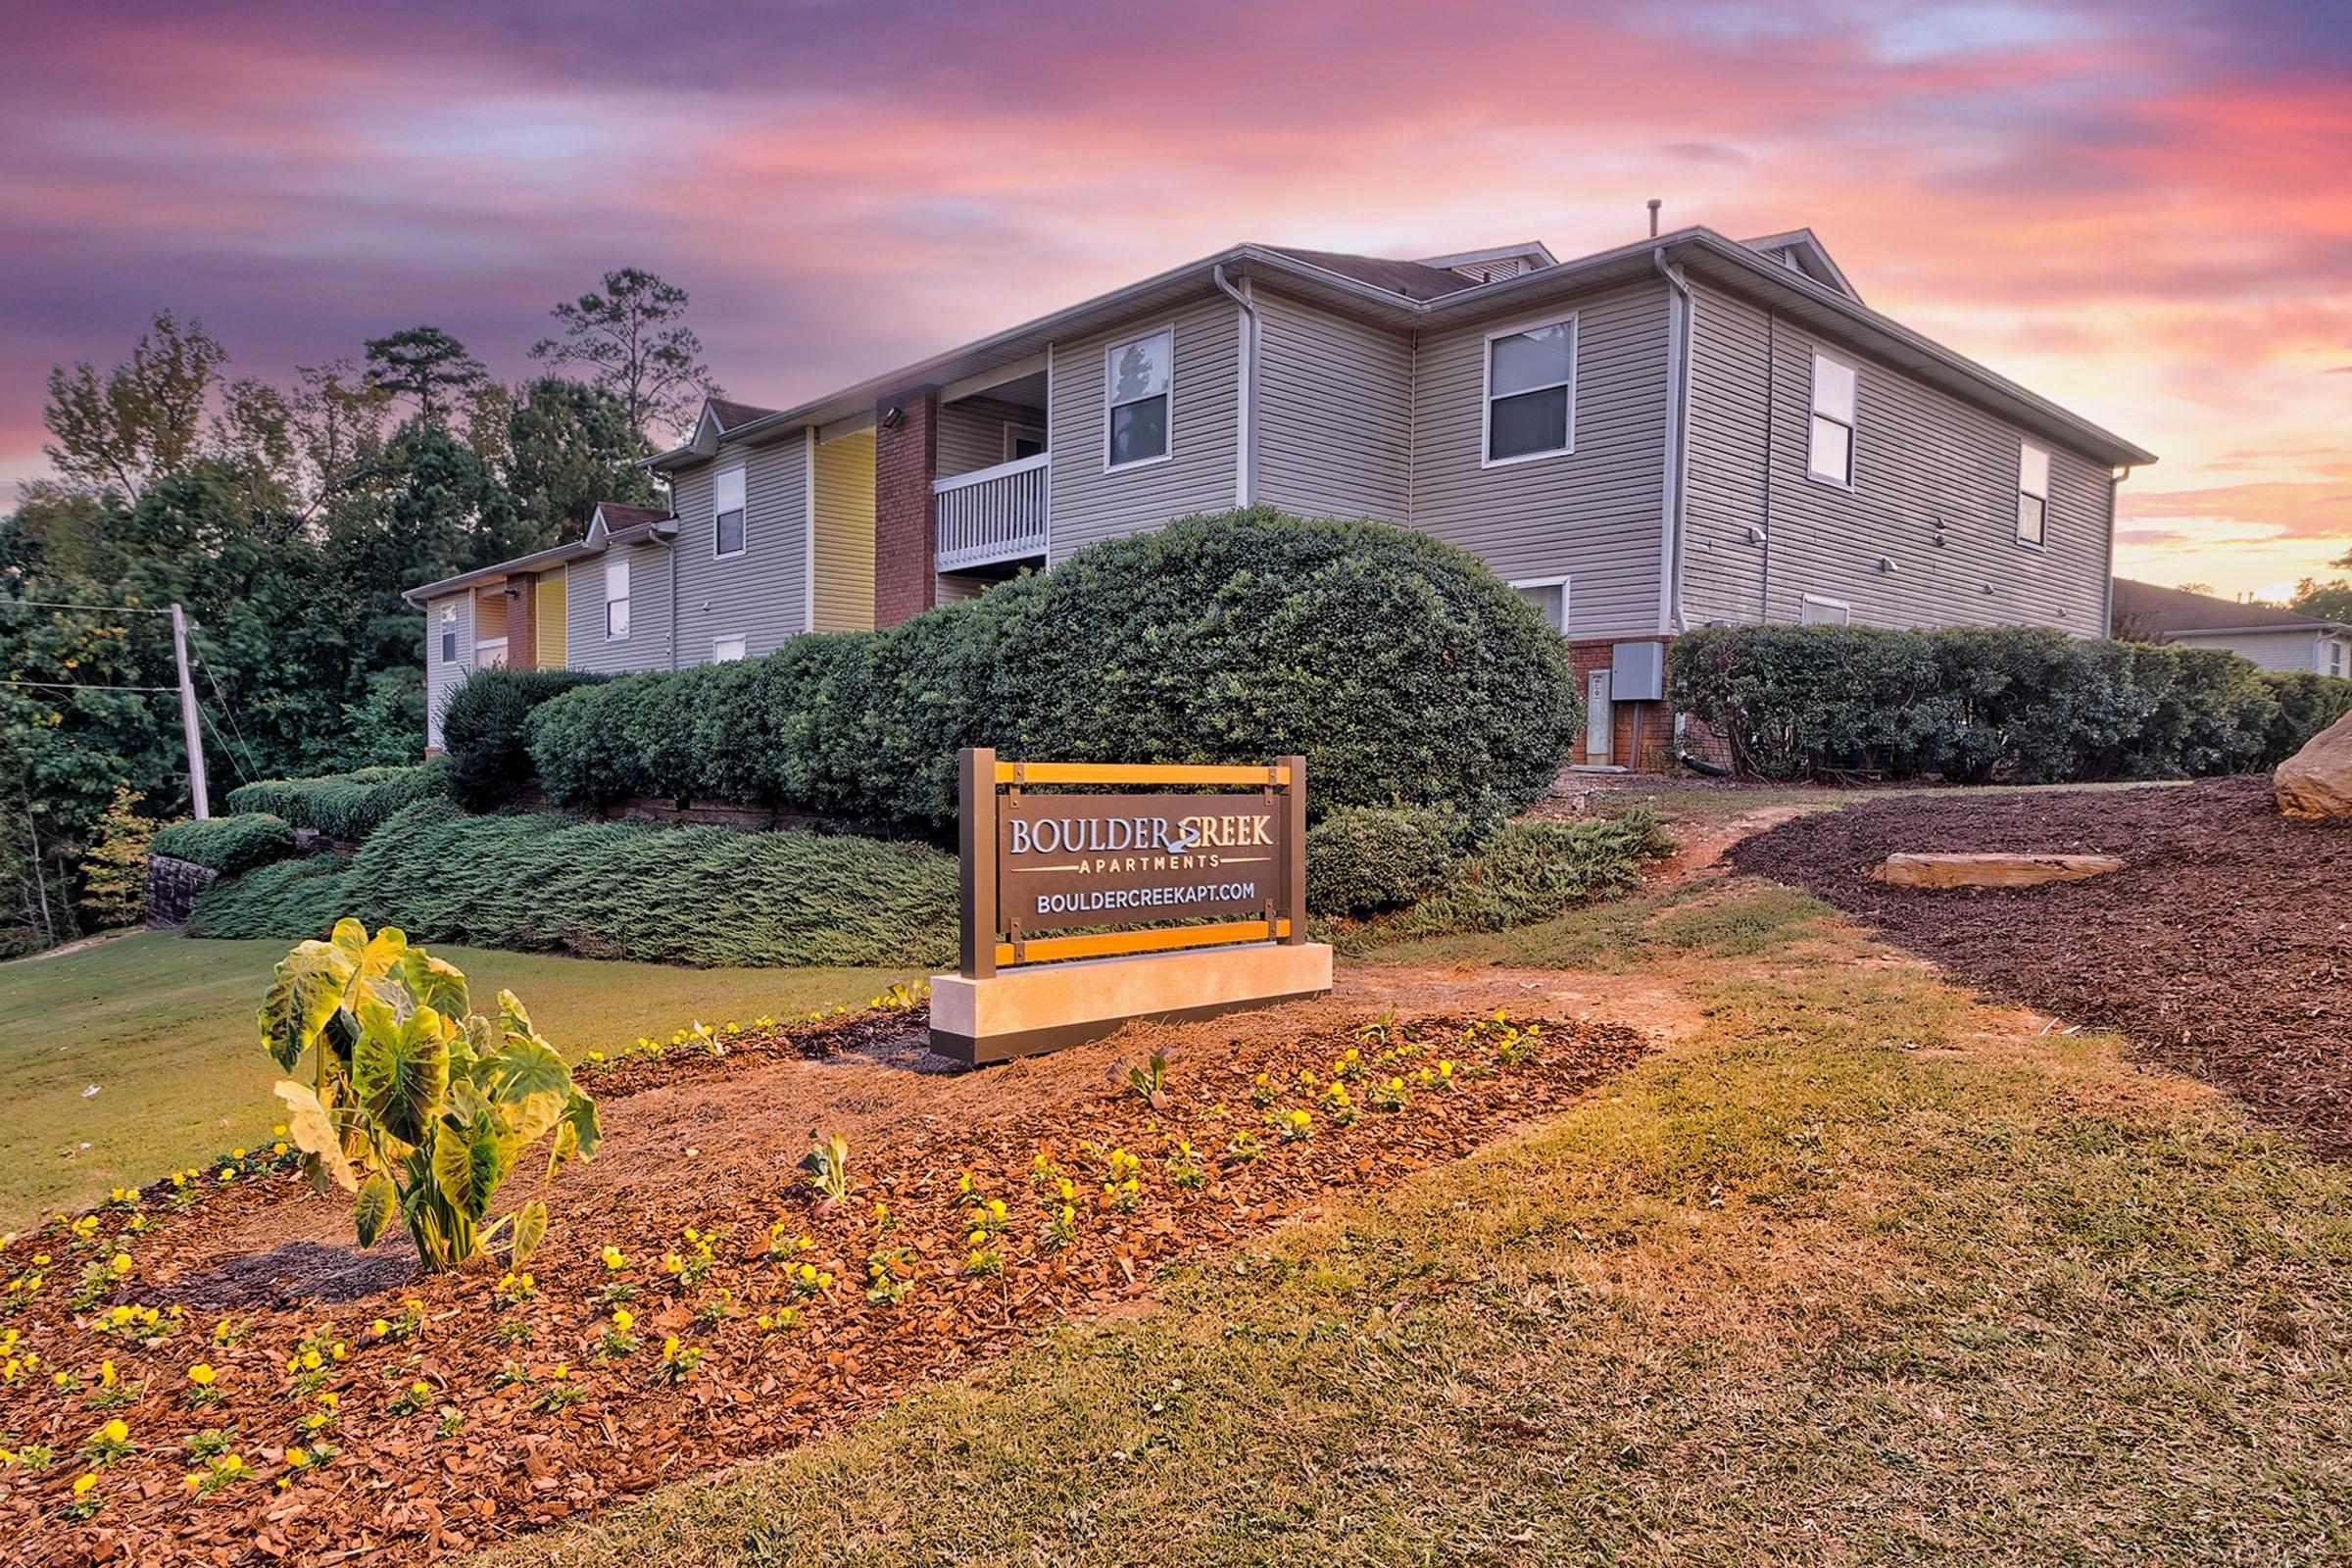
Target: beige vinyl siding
{"type": "Point", "coordinates": [762, 594]}
{"type": "Point", "coordinates": [955, 587]}
{"type": "Point", "coordinates": [1335, 415]}
{"type": "Point", "coordinates": [1594, 515]}
{"type": "Point", "coordinates": [441, 679]}
{"type": "Point", "coordinates": [844, 533]}
{"type": "Point", "coordinates": [972, 433]}
{"type": "Point", "coordinates": [1090, 504]}
{"type": "Point", "coordinates": [2270, 650]}
{"type": "Point", "coordinates": [647, 645]}
{"type": "Point", "coordinates": [1934, 492]}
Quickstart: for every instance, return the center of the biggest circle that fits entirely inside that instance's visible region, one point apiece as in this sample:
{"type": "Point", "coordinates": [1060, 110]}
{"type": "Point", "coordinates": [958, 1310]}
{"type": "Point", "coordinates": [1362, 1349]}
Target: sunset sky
{"type": "Point", "coordinates": [2142, 211]}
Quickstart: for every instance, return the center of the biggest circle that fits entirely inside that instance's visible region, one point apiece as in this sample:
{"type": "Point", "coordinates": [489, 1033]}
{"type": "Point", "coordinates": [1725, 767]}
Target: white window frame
{"type": "Point", "coordinates": [741, 475]}
{"type": "Point", "coordinates": [1111, 352]}
{"type": "Point", "coordinates": [1845, 609]}
{"type": "Point", "coordinates": [2041, 541]}
{"type": "Point", "coordinates": [1561, 583]}
{"type": "Point", "coordinates": [1014, 429]}
{"type": "Point", "coordinates": [622, 598]}
{"type": "Point", "coordinates": [448, 634]}
{"type": "Point", "coordinates": [1852, 424]}
{"type": "Point", "coordinates": [1486, 388]}
{"type": "Point", "coordinates": [743, 649]}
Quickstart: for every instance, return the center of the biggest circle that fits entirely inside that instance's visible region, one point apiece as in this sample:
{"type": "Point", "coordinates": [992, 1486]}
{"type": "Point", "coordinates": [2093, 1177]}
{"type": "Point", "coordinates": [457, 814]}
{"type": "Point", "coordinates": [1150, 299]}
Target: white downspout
{"type": "Point", "coordinates": [1244, 438]}
{"type": "Point", "coordinates": [1677, 422]}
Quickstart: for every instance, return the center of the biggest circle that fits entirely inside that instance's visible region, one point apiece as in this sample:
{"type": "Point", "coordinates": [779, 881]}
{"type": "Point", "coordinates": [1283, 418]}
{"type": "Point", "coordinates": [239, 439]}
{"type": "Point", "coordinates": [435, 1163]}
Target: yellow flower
{"type": "Point", "coordinates": [613, 1259]}
{"type": "Point", "coordinates": [669, 1347]}
{"type": "Point", "coordinates": [297, 1457]}
{"type": "Point", "coordinates": [106, 1374]}
{"type": "Point", "coordinates": [562, 1370]}
{"type": "Point", "coordinates": [116, 1430]}
{"type": "Point", "coordinates": [623, 1320]}
{"type": "Point", "coordinates": [330, 1398]}
{"type": "Point", "coordinates": [236, 1153]}
{"type": "Point", "coordinates": [420, 1389]}
{"type": "Point", "coordinates": [380, 1328]}
{"type": "Point", "coordinates": [84, 1483]}
{"type": "Point", "coordinates": [202, 1375]}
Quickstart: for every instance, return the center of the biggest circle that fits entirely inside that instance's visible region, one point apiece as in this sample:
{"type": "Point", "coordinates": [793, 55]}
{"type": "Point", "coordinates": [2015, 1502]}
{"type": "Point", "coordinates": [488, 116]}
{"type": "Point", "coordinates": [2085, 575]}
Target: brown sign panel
{"type": "Point", "coordinates": [1066, 860]}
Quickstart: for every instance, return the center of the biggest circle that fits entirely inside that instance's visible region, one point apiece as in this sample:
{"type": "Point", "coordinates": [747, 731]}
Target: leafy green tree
{"type": "Point", "coordinates": [569, 447]}
{"type": "Point", "coordinates": [428, 366]}
{"type": "Point", "coordinates": [139, 422]}
{"type": "Point", "coordinates": [2329, 600]}
{"type": "Point", "coordinates": [631, 335]}
{"type": "Point", "coordinates": [115, 872]}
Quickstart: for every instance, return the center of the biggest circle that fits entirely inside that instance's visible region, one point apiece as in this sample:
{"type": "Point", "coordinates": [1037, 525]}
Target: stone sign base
{"type": "Point", "coordinates": [1023, 1011]}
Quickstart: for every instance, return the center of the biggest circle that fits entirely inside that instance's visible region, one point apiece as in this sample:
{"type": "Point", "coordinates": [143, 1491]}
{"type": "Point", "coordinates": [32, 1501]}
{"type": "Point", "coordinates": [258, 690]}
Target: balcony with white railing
{"type": "Point", "coordinates": [992, 516]}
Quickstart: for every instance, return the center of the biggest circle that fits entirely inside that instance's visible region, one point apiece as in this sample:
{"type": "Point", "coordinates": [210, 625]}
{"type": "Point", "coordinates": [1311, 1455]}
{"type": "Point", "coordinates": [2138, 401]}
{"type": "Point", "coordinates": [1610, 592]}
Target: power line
{"type": "Point", "coordinates": [54, 603]}
{"type": "Point", "coordinates": [244, 770]}
{"type": "Point", "coordinates": [84, 686]}
{"type": "Point", "coordinates": [229, 710]}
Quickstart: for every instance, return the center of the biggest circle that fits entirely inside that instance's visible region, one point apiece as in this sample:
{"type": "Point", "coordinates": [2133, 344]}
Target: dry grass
{"type": "Point", "coordinates": [1857, 1272]}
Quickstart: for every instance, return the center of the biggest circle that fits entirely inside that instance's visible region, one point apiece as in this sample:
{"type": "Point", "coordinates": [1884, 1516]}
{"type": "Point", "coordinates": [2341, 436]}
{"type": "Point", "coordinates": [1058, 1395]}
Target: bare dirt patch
{"type": "Point", "coordinates": [2223, 948]}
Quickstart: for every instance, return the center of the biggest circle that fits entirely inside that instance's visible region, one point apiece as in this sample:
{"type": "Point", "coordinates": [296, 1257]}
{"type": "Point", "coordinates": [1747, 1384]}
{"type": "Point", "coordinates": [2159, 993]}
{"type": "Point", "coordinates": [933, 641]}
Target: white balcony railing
{"type": "Point", "coordinates": [992, 514]}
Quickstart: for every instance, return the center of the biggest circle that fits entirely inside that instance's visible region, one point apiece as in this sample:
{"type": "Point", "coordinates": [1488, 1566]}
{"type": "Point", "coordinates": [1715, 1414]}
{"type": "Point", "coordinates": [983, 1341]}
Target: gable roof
{"type": "Point", "coordinates": [613, 522]}
{"type": "Point", "coordinates": [1404, 295]}
{"type": "Point", "coordinates": [731, 413]}
{"type": "Point", "coordinates": [2177, 612]}
{"type": "Point", "coordinates": [1415, 280]}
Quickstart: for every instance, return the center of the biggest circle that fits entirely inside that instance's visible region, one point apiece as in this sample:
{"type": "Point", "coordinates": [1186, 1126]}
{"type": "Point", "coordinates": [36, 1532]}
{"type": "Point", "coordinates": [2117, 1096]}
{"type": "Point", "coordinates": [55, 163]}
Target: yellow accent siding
{"type": "Point", "coordinates": [548, 616]}
{"type": "Point", "coordinates": [844, 533]}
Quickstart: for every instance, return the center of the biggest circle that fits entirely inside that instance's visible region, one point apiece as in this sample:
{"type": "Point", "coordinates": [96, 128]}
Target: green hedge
{"type": "Point", "coordinates": [1363, 859]}
{"type": "Point", "coordinates": [227, 845]}
{"type": "Point", "coordinates": [482, 730]}
{"type": "Point", "coordinates": [2307, 705]}
{"type": "Point", "coordinates": [1399, 664]}
{"type": "Point", "coordinates": [1526, 872]}
{"type": "Point", "coordinates": [1975, 703]}
{"type": "Point", "coordinates": [345, 806]}
{"type": "Point", "coordinates": [701, 895]}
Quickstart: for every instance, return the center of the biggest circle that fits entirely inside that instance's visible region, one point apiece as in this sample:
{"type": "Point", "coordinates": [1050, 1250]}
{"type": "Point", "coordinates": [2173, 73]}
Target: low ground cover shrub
{"type": "Point", "coordinates": [2024, 705]}
{"type": "Point", "coordinates": [1526, 873]}
{"type": "Point", "coordinates": [482, 730]}
{"type": "Point", "coordinates": [344, 805]}
{"type": "Point", "coordinates": [701, 895]}
{"type": "Point", "coordinates": [227, 845]}
{"type": "Point", "coordinates": [1399, 666]}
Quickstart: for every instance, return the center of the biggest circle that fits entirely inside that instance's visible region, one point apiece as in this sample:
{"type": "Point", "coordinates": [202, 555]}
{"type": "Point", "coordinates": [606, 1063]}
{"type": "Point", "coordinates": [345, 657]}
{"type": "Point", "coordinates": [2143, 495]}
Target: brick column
{"type": "Point", "coordinates": [523, 623]}
{"type": "Point", "coordinates": [905, 522]}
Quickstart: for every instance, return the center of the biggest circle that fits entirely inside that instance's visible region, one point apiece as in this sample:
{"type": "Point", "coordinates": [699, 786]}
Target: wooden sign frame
{"type": "Point", "coordinates": [988, 942]}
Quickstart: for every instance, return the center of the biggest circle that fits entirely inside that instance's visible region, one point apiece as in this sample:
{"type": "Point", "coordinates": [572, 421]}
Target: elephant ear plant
{"type": "Point", "coordinates": [414, 1103]}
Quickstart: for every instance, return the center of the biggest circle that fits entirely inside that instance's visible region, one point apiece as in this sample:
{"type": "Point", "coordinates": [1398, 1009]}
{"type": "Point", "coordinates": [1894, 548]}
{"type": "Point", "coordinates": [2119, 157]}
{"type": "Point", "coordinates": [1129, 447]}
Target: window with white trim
{"type": "Point", "coordinates": [1814, 612]}
{"type": "Point", "coordinates": [1023, 441]}
{"type": "Point", "coordinates": [1549, 596]}
{"type": "Point", "coordinates": [1832, 453]}
{"type": "Point", "coordinates": [616, 599]}
{"type": "Point", "coordinates": [1531, 392]}
{"type": "Point", "coordinates": [1138, 379]}
{"type": "Point", "coordinates": [2033, 492]}
{"type": "Point", "coordinates": [726, 650]}
{"type": "Point", "coordinates": [448, 634]}
{"type": "Point", "coordinates": [726, 512]}
{"type": "Point", "coordinates": [2335, 656]}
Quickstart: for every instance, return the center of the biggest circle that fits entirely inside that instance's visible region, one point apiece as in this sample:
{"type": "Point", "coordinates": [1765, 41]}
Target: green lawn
{"type": "Point", "coordinates": [164, 1026]}
{"type": "Point", "coordinates": [1857, 1273]}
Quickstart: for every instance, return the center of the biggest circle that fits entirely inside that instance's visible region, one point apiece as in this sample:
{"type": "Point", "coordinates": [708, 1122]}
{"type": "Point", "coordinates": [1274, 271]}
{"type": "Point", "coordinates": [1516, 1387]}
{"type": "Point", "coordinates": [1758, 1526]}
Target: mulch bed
{"type": "Point", "coordinates": [2224, 948]}
{"type": "Point", "coordinates": [707, 1142]}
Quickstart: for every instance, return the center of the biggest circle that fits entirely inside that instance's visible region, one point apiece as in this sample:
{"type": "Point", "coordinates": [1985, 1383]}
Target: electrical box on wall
{"type": "Point", "coordinates": [1637, 672]}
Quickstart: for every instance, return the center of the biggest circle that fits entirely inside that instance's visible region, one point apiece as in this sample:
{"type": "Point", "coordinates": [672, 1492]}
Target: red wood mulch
{"type": "Point", "coordinates": [708, 1143]}
{"type": "Point", "coordinates": [2223, 948]}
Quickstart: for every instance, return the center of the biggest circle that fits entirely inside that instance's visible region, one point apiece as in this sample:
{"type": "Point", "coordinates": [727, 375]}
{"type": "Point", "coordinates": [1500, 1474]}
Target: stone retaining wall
{"type": "Point", "coordinates": [172, 888]}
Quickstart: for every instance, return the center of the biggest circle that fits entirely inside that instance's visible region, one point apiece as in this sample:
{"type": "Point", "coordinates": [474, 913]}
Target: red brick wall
{"type": "Point", "coordinates": [522, 623]}
{"type": "Point", "coordinates": [1656, 718]}
{"type": "Point", "coordinates": [905, 524]}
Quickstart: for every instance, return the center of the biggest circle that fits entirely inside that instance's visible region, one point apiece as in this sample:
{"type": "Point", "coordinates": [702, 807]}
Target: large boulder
{"type": "Point", "coordinates": [2317, 781]}
{"type": "Point", "coordinates": [1990, 871]}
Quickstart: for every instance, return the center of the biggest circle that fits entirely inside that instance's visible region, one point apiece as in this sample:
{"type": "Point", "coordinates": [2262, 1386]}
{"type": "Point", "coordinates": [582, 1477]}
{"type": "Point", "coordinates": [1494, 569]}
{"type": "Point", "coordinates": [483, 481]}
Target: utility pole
{"type": "Point", "coordinates": [187, 716]}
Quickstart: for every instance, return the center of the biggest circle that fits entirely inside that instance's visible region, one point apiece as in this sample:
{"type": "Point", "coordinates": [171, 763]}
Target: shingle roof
{"type": "Point", "coordinates": [1412, 279]}
{"type": "Point", "coordinates": [2151, 609]}
{"type": "Point", "coordinates": [621, 515]}
{"type": "Point", "coordinates": [731, 413]}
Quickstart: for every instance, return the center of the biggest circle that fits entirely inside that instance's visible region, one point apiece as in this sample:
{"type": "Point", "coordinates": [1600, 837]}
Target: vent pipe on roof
{"type": "Point", "coordinates": [1654, 205]}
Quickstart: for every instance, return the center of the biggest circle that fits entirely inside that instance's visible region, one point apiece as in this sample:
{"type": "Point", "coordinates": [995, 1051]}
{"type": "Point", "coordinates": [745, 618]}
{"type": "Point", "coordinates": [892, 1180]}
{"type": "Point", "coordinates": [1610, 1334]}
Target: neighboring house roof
{"type": "Point", "coordinates": [1407, 294]}
{"type": "Point", "coordinates": [732, 413]}
{"type": "Point", "coordinates": [613, 522]}
{"type": "Point", "coordinates": [2157, 611]}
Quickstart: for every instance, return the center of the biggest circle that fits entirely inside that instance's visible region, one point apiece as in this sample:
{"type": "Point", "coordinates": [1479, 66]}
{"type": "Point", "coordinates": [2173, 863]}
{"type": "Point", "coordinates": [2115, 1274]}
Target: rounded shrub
{"type": "Point", "coordinates": [1362, 860]}
{"type": "Point", "coordinates": [345, 806]}
{"type": "Point", "coordinates": [484, 730]}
